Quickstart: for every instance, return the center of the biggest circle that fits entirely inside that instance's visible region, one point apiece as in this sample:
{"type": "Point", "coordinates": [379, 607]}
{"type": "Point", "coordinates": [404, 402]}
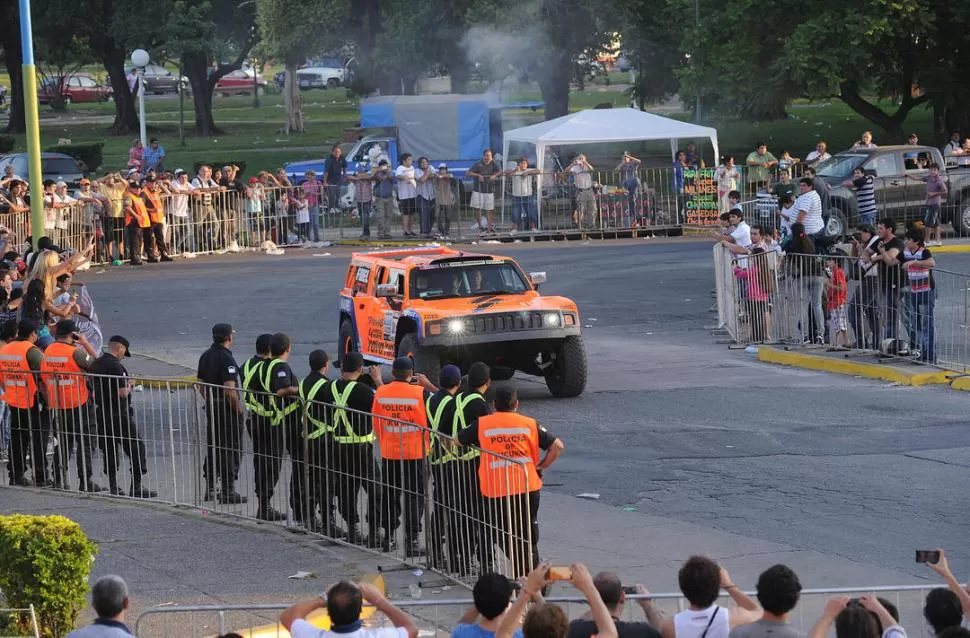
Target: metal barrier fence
{"type": "Point", "coordinates": [440, 616]}
{"type": "Point", "coordinates": [919, 313]}
{"type": "Point", "coordinates": [185, 444]}
{"type": "Point", "coordinates": [19, 620]}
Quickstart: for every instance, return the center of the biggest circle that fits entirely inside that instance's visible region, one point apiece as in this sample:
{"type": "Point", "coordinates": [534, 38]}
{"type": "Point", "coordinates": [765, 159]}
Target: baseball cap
{"type": "Point", "coordinates": [134, 184]}
{"type": "Point", "coordinates": [61, 185]}
{"type": "Point", "coordinates": [85, 181]}
{"type": "Point", "coordinates": [442, 166]}
{"type": "Point", "coordinates": [121, 340]}
{"type": "Point", "coordinates": [402, 364]}
{"type": "Point", "coordinates": [149, 180]}
{"type": "Point", "coordinates": [253, 180]}
{"type": "Point", "coordinates": [179, 171]}
{"type": "Point", "coordinates": [221, 331]}
{"type": "Point", "coordinates": [450, 376]}
{"type": "Point", "coordinates": [479, 374]}
{"type": "Point", "coordinates": [65, 327]}
{"type": "Point", "coordinates": [352, 362]}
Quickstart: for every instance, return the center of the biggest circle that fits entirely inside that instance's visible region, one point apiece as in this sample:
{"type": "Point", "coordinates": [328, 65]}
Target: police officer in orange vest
{"type": "Point", "coordinates": [20, 363]}
{"type": "Point", "coordinates": [510, 474]}
{"type": "Point", "coordinates": [154, 236]}
{"type": "Point", "coordinates": [401, 426]}
{"type": "Point", "coordinates": [136, 221]}
{"type": "Point", "coordinates": [69, 400]}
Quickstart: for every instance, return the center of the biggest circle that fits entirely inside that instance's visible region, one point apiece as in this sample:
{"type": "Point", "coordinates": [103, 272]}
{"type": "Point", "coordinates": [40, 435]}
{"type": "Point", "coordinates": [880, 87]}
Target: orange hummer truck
{"type": "Point", "coordinates": [440, 306]}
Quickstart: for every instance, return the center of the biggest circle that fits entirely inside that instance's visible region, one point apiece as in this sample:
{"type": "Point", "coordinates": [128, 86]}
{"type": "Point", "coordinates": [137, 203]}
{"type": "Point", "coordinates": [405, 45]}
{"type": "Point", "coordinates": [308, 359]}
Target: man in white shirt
{"type": "Point", "coordinates": [808, 207]}
{"type": "Point", "coordinates": [344, 602]}
{"type": "Point", "coordinates": [178, 208]}
{"type": "Point", "coordinates": [407, 193]}
{"type": "Point", "coordinates": [953, 147]}
{"type": "Point", "coordinates": [582, 172]}
{"type": "Point", "coordinates": [740, 231]}
{"type": "Point", "coordinates": [206, 218]}
{"type": "Point", "coordinates": [819, 155]}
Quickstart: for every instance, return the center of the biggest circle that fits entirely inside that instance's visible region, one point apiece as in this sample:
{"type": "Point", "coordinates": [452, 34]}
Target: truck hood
{"type": "Point", "coordinates": [487, 304]}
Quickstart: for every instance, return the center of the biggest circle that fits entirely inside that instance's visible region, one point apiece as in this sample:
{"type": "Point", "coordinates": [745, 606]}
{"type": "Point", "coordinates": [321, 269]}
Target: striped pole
{"type": "Point", "coordinates": [35, 174]}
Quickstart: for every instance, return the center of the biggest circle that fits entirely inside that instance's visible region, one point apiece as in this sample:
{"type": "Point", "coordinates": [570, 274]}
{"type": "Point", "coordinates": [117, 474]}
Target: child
{"type": "Point", "coordinates": [835, 292]}
{"type": "Point", "coordinates": [918, 264]}
{"type": "Point", "coordinates": [760, 285]}
{"type": "Point", "coordinates": [302, 216]}
{"type": "Point", "coordinates": [786, 217]}
{"type": "Point", "coordinates": [363, 199]}
{"type": "Point", "coordinates": [936, 193]}
{"type": "Point", "coordinates": [444, 199]}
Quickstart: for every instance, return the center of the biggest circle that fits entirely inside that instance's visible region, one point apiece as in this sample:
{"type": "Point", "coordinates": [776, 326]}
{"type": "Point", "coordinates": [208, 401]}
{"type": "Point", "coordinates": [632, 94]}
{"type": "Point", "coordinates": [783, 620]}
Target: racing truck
{"type": "Point", "coordinates": [442, 306]}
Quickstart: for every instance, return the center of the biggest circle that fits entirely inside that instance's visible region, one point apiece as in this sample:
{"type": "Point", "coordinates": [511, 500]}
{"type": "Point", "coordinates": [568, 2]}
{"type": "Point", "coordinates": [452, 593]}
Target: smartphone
{"type": "Point", "coordinates": [629, 590]}
{"type": "Point", "coordinates": [559, 572]}
{"type": "Point", "coordinates": [930, 556]}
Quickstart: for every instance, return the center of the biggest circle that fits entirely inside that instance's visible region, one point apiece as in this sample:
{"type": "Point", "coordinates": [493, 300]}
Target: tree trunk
{"type": "Point", "coordinates": [892, 124]}
{"type": "Point", "coordinates": [292, 99]}
{"type": "Point", "coordinates": [196, 65]}
{"type": "Point", "coordinates": [554, 83]}
{"type": "Point", "coordinates": [10, 40]}
{"type": "Point", "coordinates": [126, 117]}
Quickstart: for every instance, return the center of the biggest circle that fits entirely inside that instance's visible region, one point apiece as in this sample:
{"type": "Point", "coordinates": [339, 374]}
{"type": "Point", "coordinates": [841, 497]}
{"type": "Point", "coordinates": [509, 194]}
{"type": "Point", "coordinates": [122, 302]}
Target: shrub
{"type": "Point", "coordinates": [7, 142]}
{"type": "Point", "coordinates": [219, 164]}
{"type": "Point", "coordinates": [89, 155]}
{"type": "Point", "coordinates": [44, 562]}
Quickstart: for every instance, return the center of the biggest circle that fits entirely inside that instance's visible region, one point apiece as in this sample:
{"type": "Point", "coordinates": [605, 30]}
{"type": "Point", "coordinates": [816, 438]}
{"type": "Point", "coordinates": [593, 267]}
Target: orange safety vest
{"type": "Point", "coordinates": [141, 212]}
{"type": "Point", "coordinates": [510, 451]}
{"type": "Point", "coordinates": [403, 402]}
{"type": "Point", "coordinates": [61, 374]}
{"type": "Point", "coordinates": [156, 212]}
{"type": "Point", "coordinates": [19, 386]}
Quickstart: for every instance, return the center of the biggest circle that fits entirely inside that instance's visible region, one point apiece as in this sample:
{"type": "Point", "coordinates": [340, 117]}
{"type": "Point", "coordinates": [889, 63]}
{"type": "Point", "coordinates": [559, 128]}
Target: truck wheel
{"type": "Point", "coordinates": [345, 343]}
{"type": "Point", "coordinates": [426, 360]}
{"type": "Point", "coordinates": [566, 377]}
{"type": "Point", "coordinates": [838, 225]}
{"type": "Point", "coordinates": [961, 216]}
{"type": "Point", "coordinates": [333, 83]}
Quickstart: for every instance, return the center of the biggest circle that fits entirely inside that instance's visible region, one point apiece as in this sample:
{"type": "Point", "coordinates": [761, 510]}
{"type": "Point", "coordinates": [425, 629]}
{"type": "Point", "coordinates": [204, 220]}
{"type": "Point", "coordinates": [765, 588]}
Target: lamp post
{"type": "Point", "coordinates": [139, 57]}
{"type": "Point", "coordinates": [697, 31]}
{"type": "Point", "coordinates": [34, 173]}
{"type": "Point", "coordinates": [255, 84]}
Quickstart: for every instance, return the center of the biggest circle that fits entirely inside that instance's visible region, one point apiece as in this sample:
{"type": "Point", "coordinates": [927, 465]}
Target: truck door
{"type": "Point", "coordinates": [367, 312]}
{"type": "Point", "coordinates": [915, 164]}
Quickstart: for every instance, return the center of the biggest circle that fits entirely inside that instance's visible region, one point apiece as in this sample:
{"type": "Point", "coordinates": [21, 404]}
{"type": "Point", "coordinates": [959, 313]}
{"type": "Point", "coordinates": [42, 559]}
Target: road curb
{"type": "Point", "coordinates": [961, 383]}
{"type": "Point", "coordinates": [166, 382]}
{"type": "Point", "coordinates": [855, 368]}
{"type": "Point", "coordinates": [951, 248]}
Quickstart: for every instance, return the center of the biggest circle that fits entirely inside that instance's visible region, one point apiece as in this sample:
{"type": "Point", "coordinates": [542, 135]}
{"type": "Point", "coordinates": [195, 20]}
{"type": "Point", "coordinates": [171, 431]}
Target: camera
{"type": "Point", "coordinates": [857, 236]}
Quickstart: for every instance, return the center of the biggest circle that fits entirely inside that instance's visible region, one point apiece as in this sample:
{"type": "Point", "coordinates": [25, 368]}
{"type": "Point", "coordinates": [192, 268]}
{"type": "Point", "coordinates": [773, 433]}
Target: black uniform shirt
{"type": "Point", "coordinates": [360, 403]}
{"type": "Point", "coordinates": [316, 407]}
{"type": "Point", "coordinates": [216, 367]}
{"type": "Point", "coordinates": [283, 377]}
{"type": "Point", "coordinates": [447, 414]}
{"type": "Point", "coordinates": [110, 377]}
{"type": "Point", "coordinates": [469, 436]}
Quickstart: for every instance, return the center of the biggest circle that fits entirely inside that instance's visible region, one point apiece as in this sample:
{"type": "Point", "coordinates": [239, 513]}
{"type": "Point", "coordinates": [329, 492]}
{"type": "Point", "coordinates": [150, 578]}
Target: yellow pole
{"type": "Point", "coordinates": [34, 173]}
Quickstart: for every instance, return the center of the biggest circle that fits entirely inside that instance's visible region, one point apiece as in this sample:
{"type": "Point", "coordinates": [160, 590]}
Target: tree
{"type": "Point", "coordinates": [653, 46]}
{"type": "Point", "coordinates": [59, 49]}
{"type": "Point", "coordinates": [13, 57]}
{"type": "Point", "coordinates": [293, 32]}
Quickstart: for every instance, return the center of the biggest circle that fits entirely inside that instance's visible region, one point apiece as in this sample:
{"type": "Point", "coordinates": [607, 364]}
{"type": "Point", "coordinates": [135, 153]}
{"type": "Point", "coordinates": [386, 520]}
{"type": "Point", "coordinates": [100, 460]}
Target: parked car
{"type": "Point", "coordinates": [239, 82]}
{"type": "Point", "coordinates": [76, 88]}
{"type": "Point", "coordinates": [898, 172]}
{"type": "Point", "coordinates": [159, 80]}
{"type": "Point", "coordinates": [55, 166]}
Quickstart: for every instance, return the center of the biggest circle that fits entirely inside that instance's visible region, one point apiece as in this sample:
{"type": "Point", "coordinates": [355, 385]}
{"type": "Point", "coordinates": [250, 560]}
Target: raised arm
{"type": "Point", "coordinates": [748, 610]}
{"type": "Point", "coordinates": [942, 568]}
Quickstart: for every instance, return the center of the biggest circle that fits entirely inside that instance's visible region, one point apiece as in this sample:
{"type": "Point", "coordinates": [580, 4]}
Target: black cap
{"type": "Point", "coordinates": [65, 327]}
{"type": "Point", "coordinates": [149, 180]}
{"type": "Point", "coordinates": [352, 362]}
{"type": "Point", "coordinates": [221, 332]}
{"type": "Point", "coordinates": [134, 184]}
{"type": "Point", "coordinates": [450, 376]}
{"type": "Point", "coordinates": [479, 374]}
{"type": "Point", "coordinates": [121, 340]}
{"type": "Point", "coordinates": [402, 364]}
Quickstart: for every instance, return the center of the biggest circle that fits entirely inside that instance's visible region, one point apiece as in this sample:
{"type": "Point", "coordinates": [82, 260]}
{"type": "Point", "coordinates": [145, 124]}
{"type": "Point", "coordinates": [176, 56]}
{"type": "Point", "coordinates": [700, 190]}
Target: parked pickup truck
{"type": "Point", "coordinates": [449, 129]}
{"type": "Point", "coordinates": [900, 191]}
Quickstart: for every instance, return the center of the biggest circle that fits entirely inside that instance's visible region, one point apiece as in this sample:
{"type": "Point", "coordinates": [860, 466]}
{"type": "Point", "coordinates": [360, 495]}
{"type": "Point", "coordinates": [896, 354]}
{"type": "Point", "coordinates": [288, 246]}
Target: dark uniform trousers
{"type": "Point", "coordinates": [223, 445]}
{"type": "Point", "coordinates": [404, 480]}
{"type": "Point", "coordinates": [74, 427]}
{"type": "Point", "coordinates": [158, 232]}
{"type": "Point", "coordinates": [295, 444]}
{"type": "Point", "coordinates": [267, 456]}
{"type": "Point", "coordinates": [323, 477]}
{"type": "Point", "coordinates": [355, 468]}
{"type": "Point", "coordinates": [512, 519]}
{"type": "Point", "coordinates": [27, 436]}
{"type": "Point", "coordinates": [457, 520]}
{"type": "Point", "coordinates": [118, 430]}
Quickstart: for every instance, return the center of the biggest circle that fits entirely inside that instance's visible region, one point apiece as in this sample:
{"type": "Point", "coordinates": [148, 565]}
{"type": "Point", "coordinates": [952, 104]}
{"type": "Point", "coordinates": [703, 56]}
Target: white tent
{"type": "Point", "coordinates": [596, 126]}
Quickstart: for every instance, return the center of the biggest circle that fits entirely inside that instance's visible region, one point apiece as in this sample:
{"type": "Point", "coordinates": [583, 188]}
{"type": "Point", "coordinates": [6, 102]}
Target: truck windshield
{"type": "Point", "coordinates": [840, 166]}
{"type": "Point", "coordinates": [466, 280]}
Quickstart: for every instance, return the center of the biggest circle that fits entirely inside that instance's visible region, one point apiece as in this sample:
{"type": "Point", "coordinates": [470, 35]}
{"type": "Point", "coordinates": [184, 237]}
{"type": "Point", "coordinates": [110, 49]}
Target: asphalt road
{"type": "Point", "coordinates": [673, 422]}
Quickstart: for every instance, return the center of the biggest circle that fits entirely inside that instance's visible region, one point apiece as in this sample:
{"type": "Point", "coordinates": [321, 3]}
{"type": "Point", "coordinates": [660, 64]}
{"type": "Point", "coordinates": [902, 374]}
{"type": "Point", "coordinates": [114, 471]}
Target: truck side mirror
{"type": "Point", "coordinates": [386, 290]}
{"type": "Point", "coordinates": [537, 278]}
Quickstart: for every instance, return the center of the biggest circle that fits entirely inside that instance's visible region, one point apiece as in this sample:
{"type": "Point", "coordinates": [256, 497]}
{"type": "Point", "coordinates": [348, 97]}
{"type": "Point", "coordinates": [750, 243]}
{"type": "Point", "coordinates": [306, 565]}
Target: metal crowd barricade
{"type": "Point", "coordinates": [183, 444]}
{"type": "Point", "coordinates": [438, 617]}
{"type": "Point", "coordinates": [25, 619]}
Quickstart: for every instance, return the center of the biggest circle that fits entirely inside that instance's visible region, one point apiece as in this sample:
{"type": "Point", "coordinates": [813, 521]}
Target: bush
{"type": "Point", "coordinates": [7, 142]}
{"type": "Point", "coordinates": [89, 155]}
{"type": "Point", "coordinates": [44, 562]}
{"type": "Point", "coordinates": [219, 164]}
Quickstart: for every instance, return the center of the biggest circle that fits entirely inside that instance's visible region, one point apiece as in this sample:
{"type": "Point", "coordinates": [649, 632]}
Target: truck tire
{"type": "Point", "coordinates": [961, 215]}
{"type": "Point", "coordinates": [345, 343]}
{"type": "Point", "coordinates": [566, 377]}
{"type": "Point", "coordinates": [426, 360]}
{"type": "Point", "coordinates": [838, 226]}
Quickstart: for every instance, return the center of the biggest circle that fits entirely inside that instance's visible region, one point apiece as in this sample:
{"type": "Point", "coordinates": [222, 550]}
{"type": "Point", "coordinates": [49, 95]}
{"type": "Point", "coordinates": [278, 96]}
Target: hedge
{"type": "Point", "coordinates": [219, 164]}
{"type": "Point", "coordinates": [45, 562]}
{"type": "Point", "coordinates": [7, 143]}
{"type": "Point", "coordinates": [90, 155]}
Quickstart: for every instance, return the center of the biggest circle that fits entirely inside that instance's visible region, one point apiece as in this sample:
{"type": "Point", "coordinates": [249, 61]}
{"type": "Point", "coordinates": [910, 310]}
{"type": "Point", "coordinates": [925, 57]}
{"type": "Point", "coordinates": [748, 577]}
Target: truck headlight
{"type": "Point", "coordinates": [456, 326]}
{"type": "Point", "coordinates": [552, 319]}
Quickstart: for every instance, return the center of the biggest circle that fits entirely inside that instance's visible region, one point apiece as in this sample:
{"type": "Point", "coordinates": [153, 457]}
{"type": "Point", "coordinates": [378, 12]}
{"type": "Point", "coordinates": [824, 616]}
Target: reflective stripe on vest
{"type": "Point", "coordinates": [321, 426]}
{"type": "Point", "coordinates": [459, 423]}
{"type": "Point", "coordinates": [396, 405]}
{"type": "Point", "coordinates": [66, 388]}
{"type": "Point", "coordinates": [440, 446]}
{"type": "Point", "coordinates": [342, 420]}
{"type": "Point", "coordinates": [510, 451]}
{"type": "Point", "coordinates": [19, 385]}
{"type": "Point", "coordinates": [278, 413]}
{"type": "Point", "coordinates": [251, 373]}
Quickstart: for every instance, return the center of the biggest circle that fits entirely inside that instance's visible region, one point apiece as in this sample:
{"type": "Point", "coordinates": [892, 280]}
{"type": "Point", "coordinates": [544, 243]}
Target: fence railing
{"type": "Point", "coordinates": [185, 444]}
{"type": "Point", "coordinates": [440, 616]}
{"type": "Point", "coordinates": [920, 314]}
{"type": "Point", "coordinates": [19, 620]}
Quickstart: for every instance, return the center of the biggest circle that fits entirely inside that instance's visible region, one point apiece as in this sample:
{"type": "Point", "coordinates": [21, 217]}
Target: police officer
{"type": "Point", "coordinates": [267, 438]}
{"type": "Point", "coordinates": [224, 414]}
{"type": "Point", "coordinates": [401, 426]}
{"type": "Point", "coordinates": [281, 383]}
{"type": "Point", "coordinates": [322, 480]}
{"type": "Point", "coordinates": [349, 401]}
{"type": "Point", "coordinates": [68, 398]}
{"type": "Point", "coordinates": [444, 519]}
{"type": "Point", "coordinates": [154, 235]}
{"type": "Point", "coordinates": [136, 221]}
{"type": "Point", "coordinates": [509, 470]}
{"type": "Point", "coordinates": [112, 390]}
{"type": "Point", "coordinates": [20, 362]}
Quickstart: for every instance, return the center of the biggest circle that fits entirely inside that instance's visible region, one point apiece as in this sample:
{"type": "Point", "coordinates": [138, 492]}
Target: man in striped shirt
{"type": "Point", "coordinates": [865, 195]}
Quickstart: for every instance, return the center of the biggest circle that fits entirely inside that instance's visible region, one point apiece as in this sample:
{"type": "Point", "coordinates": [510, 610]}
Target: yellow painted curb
{"type": "Point", "coordinates": [854, 368]}
{"type": "Point", "coordinates": [961, 383]}
{"type": "Point", "coordinates": [950, 248]}
{"type": "Point", "coordinates": [162, 383]}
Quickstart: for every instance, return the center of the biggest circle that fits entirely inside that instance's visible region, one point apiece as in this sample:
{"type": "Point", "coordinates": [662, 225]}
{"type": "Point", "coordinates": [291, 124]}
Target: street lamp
{"type": "Point", "coordinates": [139, 57]}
